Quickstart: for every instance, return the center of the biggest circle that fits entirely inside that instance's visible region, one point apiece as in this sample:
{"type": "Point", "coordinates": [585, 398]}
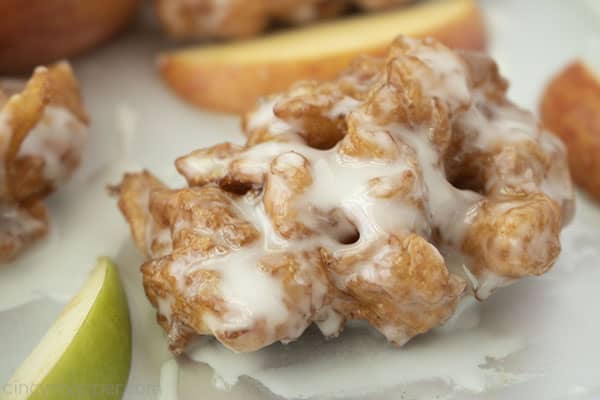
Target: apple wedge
{"type": "Point", "coordinates": [570, 108]}
{"type": "Point", "coordinates": [231, 77]}
{"type": "Point", "coordinates": [86, 354]}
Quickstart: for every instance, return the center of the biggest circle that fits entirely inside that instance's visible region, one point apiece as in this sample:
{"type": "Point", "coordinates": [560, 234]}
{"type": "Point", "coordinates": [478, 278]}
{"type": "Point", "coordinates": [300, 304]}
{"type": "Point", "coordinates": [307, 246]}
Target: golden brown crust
{"type": "Point", "coordinates": [533, 221]}
{"type": "Point", "coordinates": [570, 108]}
{"type": "Point", "coordinates": [25, 110]}
{"type": "Point", "coordinates": [46, 31]}
{"type": "Point", "coordinates": [64, 90]}
{"type": "Point", "coordinates": [235, 88]}
{"type": "Point", "coordinates": [133, 192]}
{"type": "Point", "coordinates": [416, 294]}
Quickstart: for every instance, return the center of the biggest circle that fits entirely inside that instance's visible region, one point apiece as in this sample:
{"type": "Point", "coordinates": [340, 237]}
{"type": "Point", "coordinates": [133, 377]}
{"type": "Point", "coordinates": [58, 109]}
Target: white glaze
{"type": "Point", "coordinates": [204, 166]}
{"type": "Point", "coordinates": [488, 282]}
{"type": "Point", "coordinates": [361, 364]}
{"type": "Point", "coordinates": [16, 222]}
{"type": "Point", "coordinates": [263, 117]}
{"type": "Point", "coordinates": [169, 376]}
{"type": "Point", "coordinates": [450, 82]}
{"type": "Point", "coordinates": [251, 293]}
{"type": "Point", "coordinates": [343, 107]}
{"type": "Point", "coordinates": [58, 133]}
{"type": "Point", "coordinates": [165, 305]}
{"type": "Point", "coordinates": [449, 207]}
{"type": "Point", "coordinates": [329, 322]}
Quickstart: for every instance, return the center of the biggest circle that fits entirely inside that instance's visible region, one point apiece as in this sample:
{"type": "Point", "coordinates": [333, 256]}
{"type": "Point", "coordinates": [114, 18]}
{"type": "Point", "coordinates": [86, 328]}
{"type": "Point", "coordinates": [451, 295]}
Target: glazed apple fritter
{"type": "Point", "coordinates": [386, 195]}
{"type": "Point", "coordinates": [42, 131]}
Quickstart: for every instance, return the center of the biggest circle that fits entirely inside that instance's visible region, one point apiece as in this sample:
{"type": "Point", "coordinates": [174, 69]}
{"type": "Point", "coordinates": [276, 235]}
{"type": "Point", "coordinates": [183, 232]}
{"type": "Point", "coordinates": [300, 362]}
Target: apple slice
{"type": "Point", "coordinates": [231, 77]}
{"type": "Point", "coordinates": [570, 108]}
{"type": "Point", "coordinates": [86, 354]}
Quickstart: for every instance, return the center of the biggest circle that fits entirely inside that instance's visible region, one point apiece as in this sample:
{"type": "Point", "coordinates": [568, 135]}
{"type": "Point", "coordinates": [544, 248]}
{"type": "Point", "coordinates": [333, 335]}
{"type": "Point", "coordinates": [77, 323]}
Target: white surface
{"type": "Point", "coordinates": [554, 318]}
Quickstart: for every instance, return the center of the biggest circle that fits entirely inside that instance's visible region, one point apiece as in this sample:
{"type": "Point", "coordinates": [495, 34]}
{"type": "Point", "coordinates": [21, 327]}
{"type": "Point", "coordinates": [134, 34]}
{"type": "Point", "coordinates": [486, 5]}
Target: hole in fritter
{"type": "Point", "coordinates": [236, 187]}
{"type": "Point", "coordinates": [337, 226]}
{"type": "Point", "coordinates": [323, 134]}
{"type": "Point", "coordinates": [467, 172]}
{"type": "Point", "coordinates": [468, 181]}
{"type": "Point", "coordinates": [349, 239]}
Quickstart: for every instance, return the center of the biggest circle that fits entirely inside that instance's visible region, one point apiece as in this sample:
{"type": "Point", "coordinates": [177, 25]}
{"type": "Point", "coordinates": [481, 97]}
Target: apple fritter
{"type": "Point", "coordinates": [385, 195]}
{"type": "Point", "coordinates": [42, 132]}
{"type": "Point", "coordinates": [241, 18]}
{"type": "Point", "coordinates": [570, 108]}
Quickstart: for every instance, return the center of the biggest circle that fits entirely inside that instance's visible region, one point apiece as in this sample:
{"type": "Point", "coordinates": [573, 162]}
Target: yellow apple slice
{"type": "Point", "coordinates": [86, 354]}
{"type": "Point", "coordinates": [231, 77]}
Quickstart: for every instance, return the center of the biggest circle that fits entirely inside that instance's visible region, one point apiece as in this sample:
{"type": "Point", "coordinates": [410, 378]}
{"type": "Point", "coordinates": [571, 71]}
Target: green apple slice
{"type": "Point", "coordinates": [86, 354]}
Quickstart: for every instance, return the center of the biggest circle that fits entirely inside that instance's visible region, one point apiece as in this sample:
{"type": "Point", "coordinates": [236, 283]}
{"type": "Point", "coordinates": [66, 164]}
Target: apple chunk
{"type": "Point", "coordinates": [86, 354]}
{"type": "Point", "coordinates": [231, 77]}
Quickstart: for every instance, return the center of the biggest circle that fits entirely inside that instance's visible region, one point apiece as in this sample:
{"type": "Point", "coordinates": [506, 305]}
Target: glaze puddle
{"type": "Point", "coordinates": [361, 362]}
{"type": "Point", "coordinates": [457, 358]}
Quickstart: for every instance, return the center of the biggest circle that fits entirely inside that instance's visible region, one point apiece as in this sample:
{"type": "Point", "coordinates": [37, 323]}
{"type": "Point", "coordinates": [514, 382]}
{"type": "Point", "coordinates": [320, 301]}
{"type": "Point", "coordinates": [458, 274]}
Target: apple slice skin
{"type": "Point", "coordinates": [570, 108]}
{"type": "Point", "coordinates": [236, 87]}
{"type": "Point", "coordinates": [81, 374]}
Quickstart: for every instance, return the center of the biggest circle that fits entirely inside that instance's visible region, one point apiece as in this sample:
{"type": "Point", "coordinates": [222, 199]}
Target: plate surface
{"type": "Point", "coordinates": [543, 332]}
